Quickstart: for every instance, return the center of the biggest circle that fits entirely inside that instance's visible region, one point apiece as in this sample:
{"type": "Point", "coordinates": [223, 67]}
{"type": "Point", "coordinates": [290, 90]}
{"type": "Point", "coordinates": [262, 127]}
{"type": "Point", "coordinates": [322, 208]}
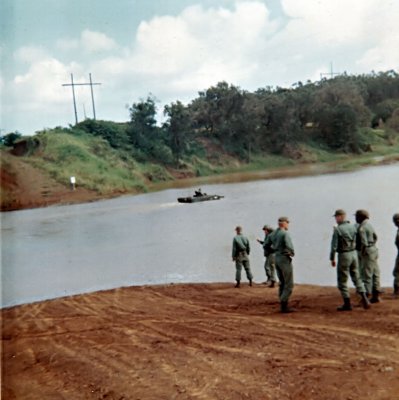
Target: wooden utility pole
{"type": "Point", "coordinates": [73, 96]}
{"type": "Point", "coordinates": [91, 84]}
{"type": "Point", "coordinates": [92, 95]}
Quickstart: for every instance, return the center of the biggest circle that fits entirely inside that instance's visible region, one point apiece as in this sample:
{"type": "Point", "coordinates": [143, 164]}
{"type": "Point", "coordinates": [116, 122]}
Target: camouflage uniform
{"type": "Point", "coordinates": [284, 248]}
{"type": "Point", "coordinates": [344, 243]}
{"type": "Point", "coordinates": [368, 257]}
{"type": "Point", "coordinates": [240, 254]}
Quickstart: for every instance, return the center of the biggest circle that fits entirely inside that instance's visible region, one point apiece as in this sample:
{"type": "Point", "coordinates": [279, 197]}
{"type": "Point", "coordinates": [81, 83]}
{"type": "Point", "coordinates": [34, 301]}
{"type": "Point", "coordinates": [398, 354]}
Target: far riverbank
{"type": "Point", "coordinates": [31, 188]}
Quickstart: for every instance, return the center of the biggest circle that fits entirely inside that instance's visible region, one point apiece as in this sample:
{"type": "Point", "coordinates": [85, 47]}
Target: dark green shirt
{"type": "Point", "coordinates": [367, 235]}
{"type": "Point", "coordinates": [282, 243]}
{"type": "Point", "coordinates": [240, 244]}
{"type": "Point", "coordinates": [343, 239]}
{"type": "Point", "coordinates": [267, 244]}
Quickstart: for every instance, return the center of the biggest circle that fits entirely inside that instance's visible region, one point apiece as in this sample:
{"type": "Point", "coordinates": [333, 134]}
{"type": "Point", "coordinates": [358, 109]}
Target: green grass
{"type": "Point", "coordinates": [97, 166]}
{"type": "Point", "coordinates": [91, 160]}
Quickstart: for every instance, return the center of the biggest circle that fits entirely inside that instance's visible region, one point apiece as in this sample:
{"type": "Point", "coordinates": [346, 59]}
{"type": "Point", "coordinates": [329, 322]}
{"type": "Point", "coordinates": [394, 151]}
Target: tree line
{"type": "Point", "coordinates": [335, 113]}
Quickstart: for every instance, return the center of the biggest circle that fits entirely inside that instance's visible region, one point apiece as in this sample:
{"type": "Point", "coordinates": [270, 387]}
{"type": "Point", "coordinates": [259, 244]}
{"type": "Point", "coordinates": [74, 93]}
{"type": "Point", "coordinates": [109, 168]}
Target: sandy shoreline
{"type": "Point", "coordinates": [200, 341]}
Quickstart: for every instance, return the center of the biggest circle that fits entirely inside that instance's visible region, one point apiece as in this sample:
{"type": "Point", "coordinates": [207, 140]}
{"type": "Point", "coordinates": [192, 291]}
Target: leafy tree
{"type": "Point", "coordinates": [178, 128]}
{"type": "Point", "coordinates": [215, 108]}
{"type": "Point", "coordinates": [10, 138]}
{"type": "Point", "coordinates": [340, 111]}
{"type": "Point", "coordinates": [115, 134]}
{"type": "Point", "coordinates": [384, 110]}
{"type": "Point", "coordinates": [393, 122]}
{"type": "Point", "coordinates": [142, 129]}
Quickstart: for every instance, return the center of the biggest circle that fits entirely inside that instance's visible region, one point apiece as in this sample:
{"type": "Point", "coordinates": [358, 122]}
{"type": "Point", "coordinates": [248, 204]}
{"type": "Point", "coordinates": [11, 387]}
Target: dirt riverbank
{"type": "Point", "coordinates": [24, 186]}
{"type": "Point", "coordinates": [200, 341]}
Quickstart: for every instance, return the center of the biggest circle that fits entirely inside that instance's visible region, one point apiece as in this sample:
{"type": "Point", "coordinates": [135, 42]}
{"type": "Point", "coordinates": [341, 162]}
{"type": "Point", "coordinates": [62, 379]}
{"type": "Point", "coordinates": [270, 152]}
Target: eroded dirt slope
{"type": "Point", "coordinates": [23, 186]}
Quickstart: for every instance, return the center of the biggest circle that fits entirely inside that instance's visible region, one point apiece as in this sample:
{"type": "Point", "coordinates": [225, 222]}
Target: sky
{"type": "Point", "coordinates": [175, 48]}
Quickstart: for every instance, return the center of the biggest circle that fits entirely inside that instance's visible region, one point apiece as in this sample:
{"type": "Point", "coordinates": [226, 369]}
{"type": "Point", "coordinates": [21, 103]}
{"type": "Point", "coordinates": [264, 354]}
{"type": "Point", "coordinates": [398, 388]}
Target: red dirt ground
{"type": "Point", "coordinates": [202, 341]}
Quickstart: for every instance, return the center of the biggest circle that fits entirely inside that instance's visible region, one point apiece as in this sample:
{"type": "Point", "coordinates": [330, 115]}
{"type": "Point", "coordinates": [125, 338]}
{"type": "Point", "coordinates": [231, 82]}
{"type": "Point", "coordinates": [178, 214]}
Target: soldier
{"type": "Point", "coordinates": [284, 250]}
{"type": "Point", "coordinates": [344, 243]}
{"type": "Point", "coordinates": [270, 258]}
{"type": "Point", "coordinates": [368, 255]}
{"type": "Point", "coordinates": [396, 267]}
{"type": "Point", "coordinates": [240, 255]}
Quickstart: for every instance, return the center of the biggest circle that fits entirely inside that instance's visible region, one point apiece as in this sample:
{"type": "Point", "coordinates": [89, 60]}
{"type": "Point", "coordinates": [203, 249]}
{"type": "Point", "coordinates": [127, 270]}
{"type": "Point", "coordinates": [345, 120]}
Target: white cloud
{"type": "Point", "coordinates": [96, 41]}
{"type": "Point", "coordinates": [198, 39]}
{"type": "Point", "coordinates": [67, 44]}
{"type": "Point", "coordinates": [41, 85]}
{"type": "Point", "coordinates": [176, 56]}
{"type": "Point", "coordinates": [382, 57]}
{"type": "Point", "coordinates": [30, 54]}
{"type": "Point", "coordinates": [89, 41]}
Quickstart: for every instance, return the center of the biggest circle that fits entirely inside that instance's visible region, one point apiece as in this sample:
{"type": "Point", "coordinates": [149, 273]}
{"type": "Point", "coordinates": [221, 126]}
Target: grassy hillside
{"type": "Point", "coordinates": [104, 170]}
{"type": "Point", "coordinates": [96, 165]}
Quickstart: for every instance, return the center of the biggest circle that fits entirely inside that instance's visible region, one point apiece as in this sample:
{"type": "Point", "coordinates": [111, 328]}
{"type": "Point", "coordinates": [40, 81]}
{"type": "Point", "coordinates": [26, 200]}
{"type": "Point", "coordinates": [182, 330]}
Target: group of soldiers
{"type": "Point", "coordinates": [357, 257]}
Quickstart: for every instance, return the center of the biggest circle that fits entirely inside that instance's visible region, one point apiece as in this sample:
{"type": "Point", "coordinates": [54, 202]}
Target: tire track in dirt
{"type": "Point", "coordinates": [199, 342]}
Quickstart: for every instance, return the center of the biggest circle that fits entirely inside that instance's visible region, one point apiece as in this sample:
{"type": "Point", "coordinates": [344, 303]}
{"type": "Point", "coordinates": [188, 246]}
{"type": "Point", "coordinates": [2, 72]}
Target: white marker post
{"type": "Point", "coordinates": [73, 181]}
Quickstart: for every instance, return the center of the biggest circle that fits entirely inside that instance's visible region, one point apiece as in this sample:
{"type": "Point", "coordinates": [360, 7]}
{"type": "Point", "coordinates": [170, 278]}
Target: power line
{"type": "Point", "coordinates": [91, 84]}
{"type": "Point", "coordinates": [331, 74]}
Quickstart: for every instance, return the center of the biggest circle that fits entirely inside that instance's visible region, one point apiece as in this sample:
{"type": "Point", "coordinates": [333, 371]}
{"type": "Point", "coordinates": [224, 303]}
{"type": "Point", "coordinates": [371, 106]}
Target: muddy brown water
{"type": "Point", "coordinates": [152, 239]}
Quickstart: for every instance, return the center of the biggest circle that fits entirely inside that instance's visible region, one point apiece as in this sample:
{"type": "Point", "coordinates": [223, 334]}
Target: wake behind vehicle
{"type": "Point", "coordinates": [199, 196]}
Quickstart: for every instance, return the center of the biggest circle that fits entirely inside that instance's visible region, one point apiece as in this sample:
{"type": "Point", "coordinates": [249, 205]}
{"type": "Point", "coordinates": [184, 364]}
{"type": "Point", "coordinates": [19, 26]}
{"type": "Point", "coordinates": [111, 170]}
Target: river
{"type": "Point", "coordinates": [152, 239]}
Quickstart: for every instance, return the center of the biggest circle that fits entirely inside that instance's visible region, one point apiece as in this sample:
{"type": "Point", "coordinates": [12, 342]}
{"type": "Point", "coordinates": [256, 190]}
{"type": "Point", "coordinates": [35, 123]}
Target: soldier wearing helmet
{"type": "Point", "coordinates": [344, 243]}
{"type": "Point", "coordinates": [270, 259]}
{"type": "Point", "coordinates": [284, 249]}
{"type": "Point", "coordinates": [240, 254]}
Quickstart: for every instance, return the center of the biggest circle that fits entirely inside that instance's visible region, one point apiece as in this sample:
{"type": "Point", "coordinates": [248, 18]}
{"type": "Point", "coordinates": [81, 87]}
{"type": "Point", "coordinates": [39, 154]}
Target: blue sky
{"type": "Point", "coordinates": [175, 48]}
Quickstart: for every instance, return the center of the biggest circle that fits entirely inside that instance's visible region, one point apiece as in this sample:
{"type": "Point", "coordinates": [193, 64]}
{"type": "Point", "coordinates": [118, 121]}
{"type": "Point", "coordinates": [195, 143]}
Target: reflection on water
{"type": "Point", "coordinates": [151, 238]}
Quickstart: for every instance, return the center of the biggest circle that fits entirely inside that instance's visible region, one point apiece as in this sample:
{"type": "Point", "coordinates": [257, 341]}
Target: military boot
{"type": "Point", "coordinates": [237, 284]}
{"type": "Point", "coordinates": [365, 301]}
{"type": "Point", "coordinates": [375, 297]}
{"type": "Point", "coordinates": [284, 308]}
{"type": "Point", "coordinates": [250, 282]}
{"type": "Point", "coordinates": [272, 284]}
{"type": "Point", "coordinates": [395, 294]}
{"type": "Point", "coordinates": [346, 306]}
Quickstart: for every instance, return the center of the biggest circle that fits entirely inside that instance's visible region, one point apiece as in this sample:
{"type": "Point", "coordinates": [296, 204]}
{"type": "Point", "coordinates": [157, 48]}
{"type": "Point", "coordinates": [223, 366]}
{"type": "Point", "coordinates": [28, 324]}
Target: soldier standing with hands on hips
{"type": "Point", "coordinates": [240, 255]}
{"type": "Point", "coordinates": [343, 242]}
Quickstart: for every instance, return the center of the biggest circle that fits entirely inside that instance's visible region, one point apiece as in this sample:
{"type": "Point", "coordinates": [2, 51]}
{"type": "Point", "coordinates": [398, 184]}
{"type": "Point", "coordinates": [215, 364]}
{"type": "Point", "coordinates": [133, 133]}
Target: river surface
{"type": "Point", "coordinates": [152, 239]}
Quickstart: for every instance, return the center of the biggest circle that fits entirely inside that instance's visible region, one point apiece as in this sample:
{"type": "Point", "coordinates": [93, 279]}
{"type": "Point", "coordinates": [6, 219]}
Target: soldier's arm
{"type": "Point", "coordinates": [289, 245]}
{"type": "Point", "coordinates": [375, 236]}
{"type": "Point", "coordinates": [234, 251]}
{"type": "Point", "coordinates": [362, 233]}
{"type": "Point", "coordinates": [334, 245]}
{"type": "Point", "coordinates": [267, 242]}
{"type": "Point", "coordinates": [248, 247]}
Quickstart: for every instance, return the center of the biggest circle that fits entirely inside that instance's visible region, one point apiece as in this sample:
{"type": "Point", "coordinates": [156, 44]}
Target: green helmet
{"type": "Point", "coordinates": [267, 228]}
{"type": "Point", "coordinates": [364, 214]}
{"type": "Point", "coordinates": [338, 212]}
